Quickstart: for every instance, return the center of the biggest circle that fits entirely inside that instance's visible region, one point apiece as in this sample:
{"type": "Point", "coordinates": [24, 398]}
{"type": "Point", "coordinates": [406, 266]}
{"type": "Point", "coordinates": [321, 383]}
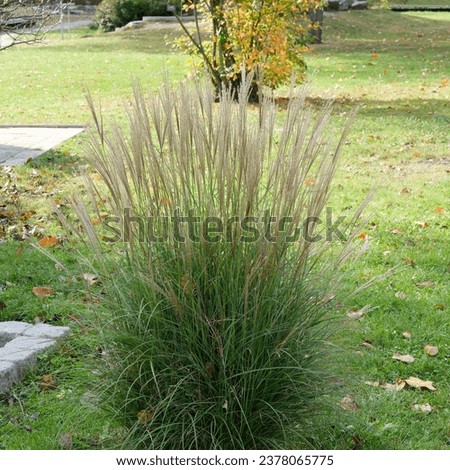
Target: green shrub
{"type": "Point", "coordinates": [214, 343]}
{"type": "Point", "coordinates": [113, 14]}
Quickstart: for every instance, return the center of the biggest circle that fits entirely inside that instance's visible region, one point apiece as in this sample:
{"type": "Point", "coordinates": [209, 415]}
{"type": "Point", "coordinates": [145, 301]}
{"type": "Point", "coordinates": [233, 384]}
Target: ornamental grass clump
{"type": "Point", "coordinates": [214, 255]}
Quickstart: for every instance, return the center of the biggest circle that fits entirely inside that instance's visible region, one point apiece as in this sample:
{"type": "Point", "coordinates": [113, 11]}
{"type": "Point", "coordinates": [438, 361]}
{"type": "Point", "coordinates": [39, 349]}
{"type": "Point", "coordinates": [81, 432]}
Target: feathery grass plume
{"type": "Point", "coordinates": [218, 323]}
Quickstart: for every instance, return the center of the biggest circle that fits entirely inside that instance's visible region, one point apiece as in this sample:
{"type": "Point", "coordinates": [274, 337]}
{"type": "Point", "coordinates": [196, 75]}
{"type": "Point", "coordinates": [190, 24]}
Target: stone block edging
{"type": "Point", "coordinates": [20, 344]}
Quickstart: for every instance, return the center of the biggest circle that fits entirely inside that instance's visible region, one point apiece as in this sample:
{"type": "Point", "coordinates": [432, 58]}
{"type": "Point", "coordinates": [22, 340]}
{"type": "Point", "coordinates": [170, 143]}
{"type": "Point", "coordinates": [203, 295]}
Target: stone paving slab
{"type": "Point", "coordinates": [20, 344]}
{"type": "Point", "coordinates": [18, 144]}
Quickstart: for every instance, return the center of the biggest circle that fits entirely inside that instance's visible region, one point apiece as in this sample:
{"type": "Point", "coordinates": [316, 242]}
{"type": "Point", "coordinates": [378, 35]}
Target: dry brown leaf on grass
{"type": "Point", "coordinates": [406, 334]}
{"type": "Point", "coordinates": [406, 358]}
{"type": "Point", "coordinates": [439, 210]}
{"type": "Point", "coordinates": [47, 383]}
{"type": "Point", "coordinates": [431, 350]}
{"type": "Point", "coordinates": [144, 416]}
{"type": "Point", "coordinates": [43, 292]}
{"type": "Point", "coordinates": [25, 215]}
{"type": "Point", "coordinates": [48, 242]}
{"type": "Point", "coordinates": [91, 279]}
{"type": "Point", "coordinates": [396, 387]}
{"type": "Point", "coordinates": [425, 408]}
{"type": "Point", "coordinates": [425, 284]}
{"type": "Point", "coordinates": [66, 441]}
{"type": "Point", "coordinates": [348, 403]}
{"type": "Point", "coordinates": [357, 314]}
{"type": "Point", "coordinates": [375, 383]}
{"type": "Point", "coordinates": [404, 191]}
{"type": "Point", "coordinates": [422, 224]}
{"type": "Point", "coordinates": [400, 384]}
{"type": "Point", "coordinates": [363, 236]}
{"type": "Point", "coordinates": [420, 384]}
{"type": "Point", "coordinates": [400, 295]}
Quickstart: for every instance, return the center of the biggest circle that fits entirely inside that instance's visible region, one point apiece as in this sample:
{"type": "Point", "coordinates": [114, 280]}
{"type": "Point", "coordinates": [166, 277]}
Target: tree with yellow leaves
{"type": "Point", "coordinates": [266, 38]}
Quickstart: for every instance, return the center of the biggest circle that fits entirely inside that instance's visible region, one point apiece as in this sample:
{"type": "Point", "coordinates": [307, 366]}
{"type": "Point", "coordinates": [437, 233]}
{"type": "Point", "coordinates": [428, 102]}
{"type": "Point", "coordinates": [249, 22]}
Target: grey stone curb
{"type": "Point", "coordinates": [20, 344]}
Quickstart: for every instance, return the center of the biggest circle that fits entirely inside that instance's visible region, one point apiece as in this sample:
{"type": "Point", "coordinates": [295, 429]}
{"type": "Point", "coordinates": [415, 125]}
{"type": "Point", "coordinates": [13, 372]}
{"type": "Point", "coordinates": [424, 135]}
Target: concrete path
{"type": "Point", "coordinates": [18, 144]}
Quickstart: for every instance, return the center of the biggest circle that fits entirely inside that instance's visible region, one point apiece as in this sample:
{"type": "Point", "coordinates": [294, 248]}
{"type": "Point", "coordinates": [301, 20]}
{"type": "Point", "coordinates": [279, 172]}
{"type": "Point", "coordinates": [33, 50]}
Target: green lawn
{"type": "Point", "coordinates": [395, 68]}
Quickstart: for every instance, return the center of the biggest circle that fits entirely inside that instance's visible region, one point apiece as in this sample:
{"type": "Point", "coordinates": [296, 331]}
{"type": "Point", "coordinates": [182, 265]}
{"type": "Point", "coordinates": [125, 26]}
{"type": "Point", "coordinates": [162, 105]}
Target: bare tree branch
{"type": "Point", "coordinates": [25, 21]}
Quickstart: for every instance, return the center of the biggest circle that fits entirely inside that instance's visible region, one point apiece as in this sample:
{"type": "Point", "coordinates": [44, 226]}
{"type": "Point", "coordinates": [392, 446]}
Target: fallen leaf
{"type": "Point", "coordinates": [357, 314]}
{"type": "Point", "coordinates": [374, 56]}
{"type": "Point", "coordinates": [409, 261]}
{"type": "Point", "coordinates": [422, 224]}
{"type": "Point", "coordinates": [25, 215]}
{"type": "Point", "coordinates": [439, 210]}
{"type": "Point", "coordinates": [144, 416]}
{"type": "Point", "coordinates": [400, 295]}
{"type": "Point", "coordinates": [440, 306]}
{"type": "Point", "coordinates": [47, 383]}
{"type": "Point", "coordinates": [404, 191]}
{"type": "Point", "coordinates": [48, 242]}
{"type": "Point", "coordinates": [363, 236]}
{"type": "Point", "coordinates": [395, 231]}
{"type": "Point", "coordinates": [43, 292]}
{"type": "Point", "coordinates": [420, 384]}
{"type": "Point", "coordinates": [431, 350]}
{"type": "Point", "coordinates": [375, 383]}
{"type": "Point", "coordinates": [406, 358]}
{"type": "Point", "coordinates": [328, 298]}
{"type": "Point", "coordinates": [425, 408]}
{"type": "Point", "coordinates": [309, 182]}
{"type": "Point", "coordinates": [358, 443]}
{"type": "Point", "coordinates": [367, 344]}
{"type": "Point", "coordinates": [66, 441]}
{"type": "Point", "coordinates": [406, 334]}
{"type": "Point", "coordinates": [425, 284]}
{"type": "Point", "coordinates": [348, 403]}
{"type": "Point", "coordinates": [397, 387]}
{"type": "Point", "coordinates": [91, 279]}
